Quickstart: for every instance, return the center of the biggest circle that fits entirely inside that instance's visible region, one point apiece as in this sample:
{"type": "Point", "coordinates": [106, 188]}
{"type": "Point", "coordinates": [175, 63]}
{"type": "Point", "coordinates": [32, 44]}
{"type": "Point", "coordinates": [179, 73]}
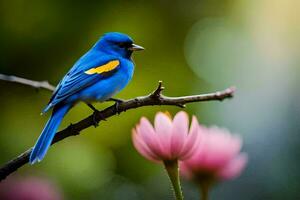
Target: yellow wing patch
{"type": "Point", "coordinates": [111, 65]}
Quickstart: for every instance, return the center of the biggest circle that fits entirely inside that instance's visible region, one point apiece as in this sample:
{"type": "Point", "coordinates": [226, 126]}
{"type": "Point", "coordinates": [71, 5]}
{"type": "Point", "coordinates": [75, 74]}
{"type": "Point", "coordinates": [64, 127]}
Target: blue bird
{"type": "Point", "coordinates": [98, 75]}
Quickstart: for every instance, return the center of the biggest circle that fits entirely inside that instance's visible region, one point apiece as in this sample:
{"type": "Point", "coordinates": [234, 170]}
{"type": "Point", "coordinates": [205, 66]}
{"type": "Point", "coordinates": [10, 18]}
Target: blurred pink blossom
{"type": "Point", "coordinates": [30, 188]}
{"type": "Point", "coordinates": [218, 156]}
{"type": "Point", "coordinates": [168, 139]}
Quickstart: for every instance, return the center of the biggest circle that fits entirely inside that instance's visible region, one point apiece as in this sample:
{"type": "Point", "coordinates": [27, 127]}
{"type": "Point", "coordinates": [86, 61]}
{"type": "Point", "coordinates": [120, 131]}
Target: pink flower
{"type": "Point", "coordinates": [218, 156]}
{"type": "Point", "coordinates": [168, 139]}
{"type": "Point", "coordinates": [29, 188]}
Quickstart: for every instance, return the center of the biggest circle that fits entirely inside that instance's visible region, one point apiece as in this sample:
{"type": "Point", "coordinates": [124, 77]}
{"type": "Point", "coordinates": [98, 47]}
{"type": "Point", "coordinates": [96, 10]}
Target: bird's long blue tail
{"type": "Point", "coordinates": [43, 143]}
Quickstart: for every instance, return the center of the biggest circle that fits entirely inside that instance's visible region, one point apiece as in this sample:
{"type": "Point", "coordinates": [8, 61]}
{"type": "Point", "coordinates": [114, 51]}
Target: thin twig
{"type": "Point", "coordinates": [23, 81]}
{"type": "Point", "coordinates": [154, 98]}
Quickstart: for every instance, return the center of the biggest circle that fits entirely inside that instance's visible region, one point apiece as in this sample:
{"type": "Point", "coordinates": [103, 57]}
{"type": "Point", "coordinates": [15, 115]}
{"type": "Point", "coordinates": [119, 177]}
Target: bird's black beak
{"type": "Point", "coordinates": [135, 47]}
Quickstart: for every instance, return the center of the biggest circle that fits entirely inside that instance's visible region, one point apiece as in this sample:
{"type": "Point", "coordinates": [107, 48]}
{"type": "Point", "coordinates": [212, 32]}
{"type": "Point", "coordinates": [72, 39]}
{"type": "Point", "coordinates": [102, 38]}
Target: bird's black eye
{"type": "Point", "coordinates": [124, 44]}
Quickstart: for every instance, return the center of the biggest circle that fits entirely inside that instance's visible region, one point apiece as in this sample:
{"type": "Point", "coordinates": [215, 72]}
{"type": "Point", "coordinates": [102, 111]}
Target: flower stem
{"type": "Point", "coordinates": [204, 189]}
{"type": "Point", "coordinates": [173, 172]}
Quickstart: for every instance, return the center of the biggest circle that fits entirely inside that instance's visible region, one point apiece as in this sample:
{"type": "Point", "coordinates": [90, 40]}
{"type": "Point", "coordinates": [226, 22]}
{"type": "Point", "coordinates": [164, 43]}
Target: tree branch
{"type": "Point", "coordinates": [155, 98]}
{"type": "Point", "coordinates": [35, 84]}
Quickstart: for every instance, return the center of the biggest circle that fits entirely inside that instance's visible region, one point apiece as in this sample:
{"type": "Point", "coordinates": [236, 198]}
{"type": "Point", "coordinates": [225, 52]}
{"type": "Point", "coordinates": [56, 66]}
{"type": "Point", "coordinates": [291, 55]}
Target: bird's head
{"type": "Point", "coordinates": [118, 44]}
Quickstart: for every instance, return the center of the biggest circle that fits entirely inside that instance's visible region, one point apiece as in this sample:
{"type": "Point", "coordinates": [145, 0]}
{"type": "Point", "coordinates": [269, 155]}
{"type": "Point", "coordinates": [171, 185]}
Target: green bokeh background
{"type": "Point", "coordinates": [194, 47]}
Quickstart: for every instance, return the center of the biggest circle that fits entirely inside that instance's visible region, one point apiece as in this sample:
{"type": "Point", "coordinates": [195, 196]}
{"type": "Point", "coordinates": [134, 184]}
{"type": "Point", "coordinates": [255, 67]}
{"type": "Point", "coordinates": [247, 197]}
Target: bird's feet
{"type": "Point", "coordinates": [117, 103]}
{"type": "Point", "coordinates": [95, 114]}
{"type": "Point", "coordinates": [96, 119]}
{"type": "Point", "coordinates": [95, 122]}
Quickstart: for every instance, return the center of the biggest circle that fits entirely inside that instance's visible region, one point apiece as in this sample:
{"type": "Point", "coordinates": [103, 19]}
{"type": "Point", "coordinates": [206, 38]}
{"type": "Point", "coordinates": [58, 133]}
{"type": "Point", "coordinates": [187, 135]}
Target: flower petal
{"type": "Point", "coordinates": [142, 148]}
{"type": "Point", "coordinates": [149, 137]}
{"type": "Point", "coordinates": [163, 128]}
{"type": "Point", "coordinates": [179, 133]}
{"type": "Point", "coordinates": [234, 168]}
{"type": "Point", "coordinates": [193, 140]}
{"type": "Point", "coordinates": [185, 171]}
{"type": "Point", "coordinates": [220, 147]}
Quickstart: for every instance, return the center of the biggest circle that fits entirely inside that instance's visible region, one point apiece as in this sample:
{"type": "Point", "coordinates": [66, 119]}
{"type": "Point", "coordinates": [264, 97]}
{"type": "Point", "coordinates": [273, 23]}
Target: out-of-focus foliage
{"type": "Point", "coordinates": [193, 46]}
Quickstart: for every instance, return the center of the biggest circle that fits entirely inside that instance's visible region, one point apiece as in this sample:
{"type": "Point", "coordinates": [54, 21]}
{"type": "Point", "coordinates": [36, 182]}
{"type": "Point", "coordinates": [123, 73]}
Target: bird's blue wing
{"type": "Point", "coordinates": [87, 71]}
